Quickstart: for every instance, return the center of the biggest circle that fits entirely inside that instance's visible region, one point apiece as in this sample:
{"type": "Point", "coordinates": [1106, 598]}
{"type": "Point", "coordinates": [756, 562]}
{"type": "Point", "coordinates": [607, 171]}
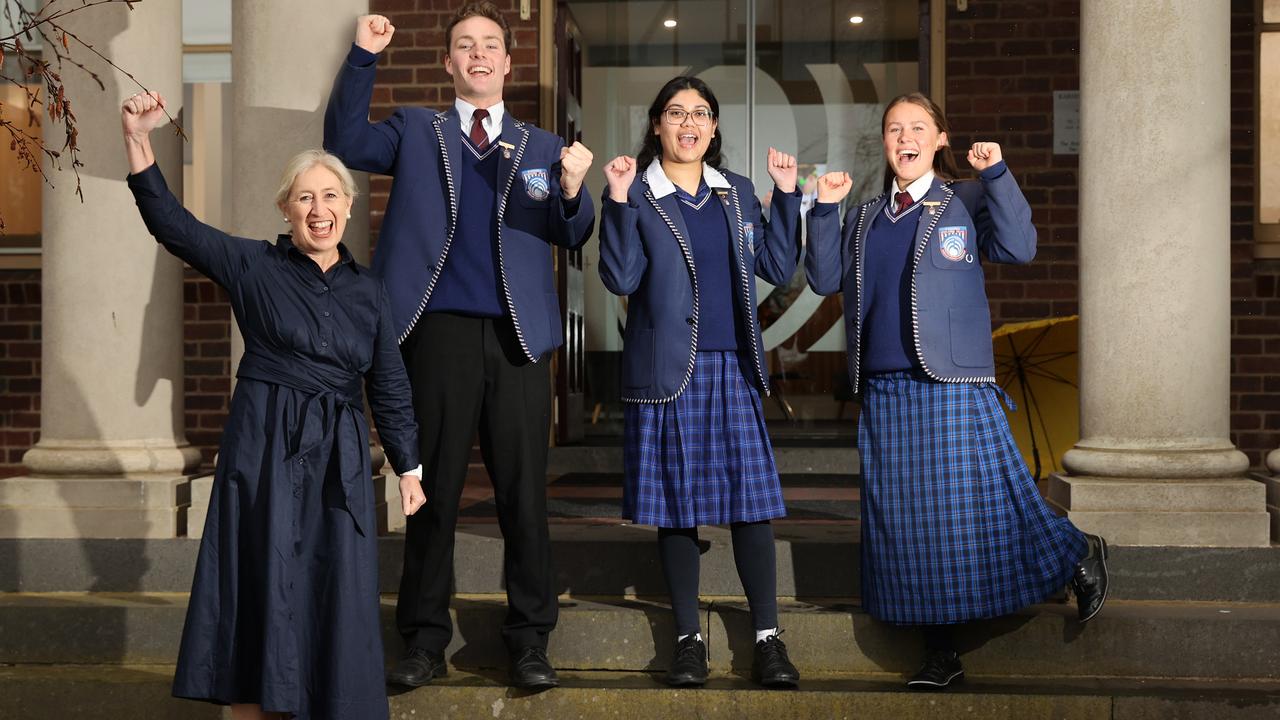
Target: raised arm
{"type": "Point", "coordinates": [777, 244]}
{"type": "Point", "coordinates": [622, 259]}
{"type": "Point", "coordinates": [572, 216]}
{"type": "Point", "coordinates": [214, 253]}
{"type": "Point", "coordinates": [370, 147]}
{"type": "Point", "coordinates": [824, 256]}
{"type": "Point", "coordinates": [1003, 218]}
{"type": "Point", "coordinates": [387, 385]}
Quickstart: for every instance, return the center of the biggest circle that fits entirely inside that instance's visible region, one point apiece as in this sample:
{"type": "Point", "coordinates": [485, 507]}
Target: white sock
{"type": "Point", "coordinates": [764, 634]}
{"type": "Point", "coordinates": [680, 638]}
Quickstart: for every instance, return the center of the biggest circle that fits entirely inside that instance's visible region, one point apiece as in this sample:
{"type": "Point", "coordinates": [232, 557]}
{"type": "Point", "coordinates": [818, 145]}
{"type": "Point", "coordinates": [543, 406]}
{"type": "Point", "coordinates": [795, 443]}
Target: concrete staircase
{"type": "Point", "coordinates": [90, 628]}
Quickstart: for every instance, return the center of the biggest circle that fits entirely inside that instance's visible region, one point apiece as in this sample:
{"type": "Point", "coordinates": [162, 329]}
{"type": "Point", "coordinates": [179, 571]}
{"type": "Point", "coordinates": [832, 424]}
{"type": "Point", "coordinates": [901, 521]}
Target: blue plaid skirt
{"type": "Point", "coordinates": [703, 458]}
{"type": "Point", "coordinates": [953, 528]}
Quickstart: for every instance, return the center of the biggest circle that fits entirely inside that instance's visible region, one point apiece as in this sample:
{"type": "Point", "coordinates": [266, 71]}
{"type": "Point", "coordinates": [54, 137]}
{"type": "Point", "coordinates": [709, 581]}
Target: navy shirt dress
{"type": "Point", "coordinates": [284, 608]}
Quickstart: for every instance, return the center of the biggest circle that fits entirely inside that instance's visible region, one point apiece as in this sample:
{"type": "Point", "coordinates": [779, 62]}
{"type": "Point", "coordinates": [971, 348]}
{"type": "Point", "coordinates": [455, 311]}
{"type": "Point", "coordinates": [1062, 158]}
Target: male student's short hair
{"type": "Point", "coordinates": [484, 10]}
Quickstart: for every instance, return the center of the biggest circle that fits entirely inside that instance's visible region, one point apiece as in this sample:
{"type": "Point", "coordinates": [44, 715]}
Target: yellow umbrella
{"type": "Point", "coordinates": [1037, 363]}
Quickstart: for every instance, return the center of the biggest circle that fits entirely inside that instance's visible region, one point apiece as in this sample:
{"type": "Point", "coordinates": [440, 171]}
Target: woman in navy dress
{"type": "Point", "coordinates": [284, 614]}
{"type": "Point", "coordinates": [686, 241]}
{"type": "Point", "coordinates": [953, 528]}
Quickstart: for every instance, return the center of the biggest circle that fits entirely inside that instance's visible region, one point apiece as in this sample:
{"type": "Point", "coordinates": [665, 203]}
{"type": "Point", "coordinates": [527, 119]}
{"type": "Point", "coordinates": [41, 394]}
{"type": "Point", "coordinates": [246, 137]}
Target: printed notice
{"type": "Point", "coordinates": [1066, 122]}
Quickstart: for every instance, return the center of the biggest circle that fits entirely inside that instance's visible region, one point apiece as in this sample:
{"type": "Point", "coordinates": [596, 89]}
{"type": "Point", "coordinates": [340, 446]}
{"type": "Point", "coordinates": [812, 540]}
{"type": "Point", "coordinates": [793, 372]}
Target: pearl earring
{"type": "Point", "coordinates": [348, 216]}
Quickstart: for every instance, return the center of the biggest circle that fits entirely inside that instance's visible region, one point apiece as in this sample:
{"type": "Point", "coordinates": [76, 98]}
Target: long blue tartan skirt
{"type": "Point", "coordinates": [953, 527]}
{"type": "Point", "coordinates": [703, 458]}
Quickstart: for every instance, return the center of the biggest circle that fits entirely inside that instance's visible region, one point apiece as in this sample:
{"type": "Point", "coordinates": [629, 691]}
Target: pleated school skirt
{"type": "Point", "coordinates": [953, 527]}
{"type": "Point", "coordinates": [703, 458]}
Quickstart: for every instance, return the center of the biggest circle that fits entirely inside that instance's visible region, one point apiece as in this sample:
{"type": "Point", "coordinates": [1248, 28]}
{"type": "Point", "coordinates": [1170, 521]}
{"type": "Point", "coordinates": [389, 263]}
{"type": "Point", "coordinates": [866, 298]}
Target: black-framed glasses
{"type": "Point", "coordinates": [675, 116]}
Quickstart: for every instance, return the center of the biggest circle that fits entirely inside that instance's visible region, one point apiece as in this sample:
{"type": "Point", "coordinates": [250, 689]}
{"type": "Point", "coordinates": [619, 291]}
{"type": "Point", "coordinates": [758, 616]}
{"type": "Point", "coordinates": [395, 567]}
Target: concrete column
{"type": "Point", "coordinates": [112, 457]}
{"type": "Point", "coordinates": [1155, 465]}
{"type": "Point", "coordinates": [282, 67]}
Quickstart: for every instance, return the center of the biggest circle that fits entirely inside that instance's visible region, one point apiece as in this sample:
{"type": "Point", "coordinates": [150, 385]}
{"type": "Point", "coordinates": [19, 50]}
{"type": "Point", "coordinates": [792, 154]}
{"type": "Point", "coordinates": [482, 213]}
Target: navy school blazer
{"type": "Point", "coordinates": [419, 147]}
{"type": "Point", "coordinates": [962, 222]}
{"type": "Point", "coordinates": [645, 254]}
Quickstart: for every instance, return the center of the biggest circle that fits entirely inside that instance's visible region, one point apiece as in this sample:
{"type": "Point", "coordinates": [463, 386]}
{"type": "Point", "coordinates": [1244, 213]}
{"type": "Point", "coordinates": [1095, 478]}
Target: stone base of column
{"type": "Point", "coordinates": [386, 488]}
{"type": "Point", "coordinates": [1272, 484]}
{"type": "Point", "coordinates": [1218, 512]}
{"type": "Point", "coordinates": [145, 506]}
{"type": "Point", "coordinates": [201, 489]}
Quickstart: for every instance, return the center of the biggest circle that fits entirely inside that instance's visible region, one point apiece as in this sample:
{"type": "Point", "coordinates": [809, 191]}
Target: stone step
{"type": "Point", "coordinates": [115, 692]}
{"type": "Point", "coordinates": [1235, 641]}
{"type": "Point", "coordinates": [814, 561]}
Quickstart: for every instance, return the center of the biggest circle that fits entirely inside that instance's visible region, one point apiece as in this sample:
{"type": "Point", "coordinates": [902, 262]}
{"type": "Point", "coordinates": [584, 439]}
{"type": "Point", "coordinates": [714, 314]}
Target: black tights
{"type": "Point", "coordinates": [753, 554]}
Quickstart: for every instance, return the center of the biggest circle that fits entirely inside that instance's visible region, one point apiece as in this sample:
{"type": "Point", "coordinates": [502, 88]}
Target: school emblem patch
{"type": "Point", "coordinates": [537, 183]}
{"type": "Point", "coordinates": [951, 242]}
{"type": "Point", "coordinates": [749, 235]}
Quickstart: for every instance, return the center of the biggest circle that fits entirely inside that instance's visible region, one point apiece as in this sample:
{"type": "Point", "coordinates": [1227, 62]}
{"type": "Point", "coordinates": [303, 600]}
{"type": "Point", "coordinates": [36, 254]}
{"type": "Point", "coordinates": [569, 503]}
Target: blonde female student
{"type": "Point", "coordinates": [953, 528]}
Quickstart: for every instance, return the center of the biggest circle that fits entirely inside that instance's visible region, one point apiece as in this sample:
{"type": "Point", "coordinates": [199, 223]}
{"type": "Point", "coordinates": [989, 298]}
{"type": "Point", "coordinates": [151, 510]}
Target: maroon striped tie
{"type": "Point", "coordinates": [479, 137]}
{"type": "Point", "coordinates": [903, 198]}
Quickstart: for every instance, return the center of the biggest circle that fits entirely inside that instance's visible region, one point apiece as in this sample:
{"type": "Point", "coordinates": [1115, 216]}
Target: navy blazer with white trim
{"type": "Point", "coordinates": [420, 147]}
{"type": "Point", "coordinates": [951, 321]}
{"type": "Point", "coordinates": [645, 254]}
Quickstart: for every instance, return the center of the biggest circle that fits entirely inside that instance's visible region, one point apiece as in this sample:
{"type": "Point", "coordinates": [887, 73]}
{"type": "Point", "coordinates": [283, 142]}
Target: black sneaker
{"type": "Point", "coordinates": [1090, 583]}
{"type": "Point", "coordinates": [419, 667]}
{"type": "Point", "coordinates": [940, 669]}
{"type": "Point", "coordinates": [689, 664]}
{"type": "Point", "coordinates": [531, 669]}
{"type": "Point", "coordinates": [771, 667]}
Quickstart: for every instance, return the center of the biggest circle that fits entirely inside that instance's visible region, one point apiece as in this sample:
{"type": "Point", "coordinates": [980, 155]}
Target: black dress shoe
{"type": "Point", "coordinates": [940, 669]}
{"type": "Point", "coordinates": [418, 668]}
{"type": "Point", "coordinates": [771, 667]}
{"type": "Point", "coordinates": [689, 665]}
{"type": "Point", "coordinates": [531, 670]}
{"type": "Point", "coordinates": [1090, 583]}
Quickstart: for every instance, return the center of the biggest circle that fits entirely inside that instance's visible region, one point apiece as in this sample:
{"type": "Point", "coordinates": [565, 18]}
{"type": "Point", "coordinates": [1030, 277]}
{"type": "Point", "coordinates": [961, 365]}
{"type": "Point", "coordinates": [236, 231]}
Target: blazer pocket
{"type": "Point", "coordinates": [971, 337]}
{"type": "Point", "coordinates": [637, 360]}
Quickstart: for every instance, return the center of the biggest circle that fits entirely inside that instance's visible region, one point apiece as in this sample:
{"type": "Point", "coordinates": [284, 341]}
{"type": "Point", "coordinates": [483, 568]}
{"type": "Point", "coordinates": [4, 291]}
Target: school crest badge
{"type": "Point", "coordinates": [537, 183]}
{"type": "Point", "coordinates": [749, 235]}
{"type": "Point", "coordinates": [951, 241]}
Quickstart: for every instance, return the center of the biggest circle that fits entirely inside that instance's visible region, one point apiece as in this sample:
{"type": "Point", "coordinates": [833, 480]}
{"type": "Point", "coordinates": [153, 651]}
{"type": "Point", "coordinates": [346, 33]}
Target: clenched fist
{"type": "Point", "coordinates": [411, 496]}
{"type": "Point", "coordinates": [783, 170]}
{"type": "Point", "coordinates": [834, 187]}
{"type": "Point", "coordinates": [575, 161]}
{"type": "Point", "coordinates": [373, 33]}
{"type": "Point", "coordinates": [983, 155]}
{"type": "Point", "coordinates": [620, 173]}
{"type": "Point", "coordinates": [142, 113]}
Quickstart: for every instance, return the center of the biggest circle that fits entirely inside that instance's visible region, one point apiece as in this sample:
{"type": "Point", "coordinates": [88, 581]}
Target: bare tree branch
{"type": "Point", "coordinates": [36, 70]}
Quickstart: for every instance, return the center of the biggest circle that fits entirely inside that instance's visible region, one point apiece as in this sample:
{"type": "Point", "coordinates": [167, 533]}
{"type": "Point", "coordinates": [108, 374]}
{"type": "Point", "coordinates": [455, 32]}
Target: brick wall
{"type": "Point", "coordinates": [206, 349]}
{"type": "Point", "coordinates": [19, 366]}
{"type": "Point", "coordinates": [1004, 61]}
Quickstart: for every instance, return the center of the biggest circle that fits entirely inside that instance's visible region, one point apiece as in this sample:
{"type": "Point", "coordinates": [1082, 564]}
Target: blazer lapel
{"type": "Point", "coordinates": [449, 133]}
{"type": "Point", "coordinates": [515, 135]}
{"type": "Point", "coordinates": [938, 193]}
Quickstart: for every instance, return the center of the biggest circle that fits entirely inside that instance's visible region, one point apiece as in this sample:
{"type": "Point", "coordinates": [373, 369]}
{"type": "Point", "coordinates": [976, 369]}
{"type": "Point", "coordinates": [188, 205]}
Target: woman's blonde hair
{"type": "Point", "coordinates": [308, 159]}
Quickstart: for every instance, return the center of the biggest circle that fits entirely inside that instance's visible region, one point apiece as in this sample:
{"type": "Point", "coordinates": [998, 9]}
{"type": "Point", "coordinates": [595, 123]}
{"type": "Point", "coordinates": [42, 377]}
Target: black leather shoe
{"type": "Point", "coordinates": [531, 670]}
{"type": "Point", "coordinates": [771, 667]}
{"type": "Point", "coordinates": [1090, 583]}
{"type": "Point", "coordinates": [940, 669]}
{"type": "Point", "coordinates": [689, 665]}
{"type": "Point", "coordinates": [418, 668]}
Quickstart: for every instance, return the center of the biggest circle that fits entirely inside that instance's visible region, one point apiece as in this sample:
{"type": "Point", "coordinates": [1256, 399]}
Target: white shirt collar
{"type": "Point", "coordinates": [662, 186]}
{"type": "Point", "coordinates": [492, 124]}
{"type": "Point", "coordinates": [918, 189]}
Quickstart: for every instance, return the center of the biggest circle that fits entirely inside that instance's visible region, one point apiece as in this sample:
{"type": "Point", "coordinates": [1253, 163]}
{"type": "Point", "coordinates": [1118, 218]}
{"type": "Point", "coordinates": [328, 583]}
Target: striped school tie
{"type": "Point", "coordinates": [479, 137]}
